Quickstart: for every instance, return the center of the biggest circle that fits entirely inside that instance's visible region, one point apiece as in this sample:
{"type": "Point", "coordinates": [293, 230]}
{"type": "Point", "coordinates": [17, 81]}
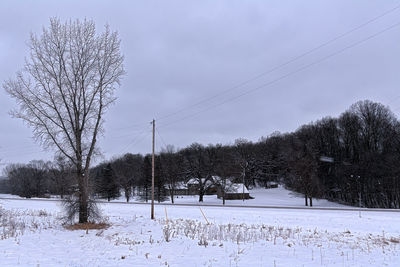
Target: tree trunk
{"type": "Point", "coordinates": [128, 192]}
{"type": "Point", "coordinates": [83, 198]}
{"type": "Point", "coordinates": [201, 190]}
{"type": "Point", "coordinates": [306, 199]}
{"type": "Point", "coordinates": [201, 193]}
{"type": "Point", "coordinates": [310, 201]}
{"type": "Point", "coordinates": [223, 192]}
{"type": "Point", "coordinates": [172, 195]}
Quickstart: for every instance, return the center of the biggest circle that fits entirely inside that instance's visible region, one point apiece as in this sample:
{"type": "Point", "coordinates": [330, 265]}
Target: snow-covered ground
{"type": "Point", "coordinates": [32, 235]}
{"type": "Point", "coordinates": [261, 197]}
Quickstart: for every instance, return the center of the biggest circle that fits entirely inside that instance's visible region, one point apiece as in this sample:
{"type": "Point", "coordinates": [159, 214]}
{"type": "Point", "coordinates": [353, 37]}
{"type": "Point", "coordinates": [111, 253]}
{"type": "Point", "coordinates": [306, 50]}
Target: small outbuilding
{"type": "Point", "coordinates": [234, 191]}
{"type": "Point", "coordinates": [209, 185]}
{"type": "Point", "coordinates": [271, 184]}
{"type": "Point", "coordinates": [180, 188]}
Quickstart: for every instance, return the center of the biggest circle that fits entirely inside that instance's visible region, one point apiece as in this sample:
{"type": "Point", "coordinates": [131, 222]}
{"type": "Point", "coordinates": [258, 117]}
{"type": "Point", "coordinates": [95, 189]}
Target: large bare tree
{"type": "Point", "coordinates": [65, 88]}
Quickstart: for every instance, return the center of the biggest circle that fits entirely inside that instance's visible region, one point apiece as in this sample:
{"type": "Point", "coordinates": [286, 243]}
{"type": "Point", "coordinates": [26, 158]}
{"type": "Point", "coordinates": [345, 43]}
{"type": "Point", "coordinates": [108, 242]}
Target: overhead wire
{"type": "Point", "coordinates": [296, 58]}
{"type": "Point", "coordinates": [286, 75]}
{"type": "Point", "coordinates": [137, 139]}
{"type": "Point", "coordinates": [162, 140]}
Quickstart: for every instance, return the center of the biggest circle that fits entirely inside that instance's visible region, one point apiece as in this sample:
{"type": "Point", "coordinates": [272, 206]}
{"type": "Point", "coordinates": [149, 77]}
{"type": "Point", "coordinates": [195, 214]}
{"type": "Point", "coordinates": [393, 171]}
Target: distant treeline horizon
{"type": "Point", "coordinates": [352, 159]}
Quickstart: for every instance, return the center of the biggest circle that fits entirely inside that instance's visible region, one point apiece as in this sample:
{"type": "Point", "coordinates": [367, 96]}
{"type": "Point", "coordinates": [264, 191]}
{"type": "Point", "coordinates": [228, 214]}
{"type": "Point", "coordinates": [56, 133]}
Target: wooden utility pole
{"type": "Point", "coordinates": [152, 173]}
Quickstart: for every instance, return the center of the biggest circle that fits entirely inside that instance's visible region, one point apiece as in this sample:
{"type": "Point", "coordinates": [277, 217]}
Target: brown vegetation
{"type": "Point", "coordinates": [87, 226]}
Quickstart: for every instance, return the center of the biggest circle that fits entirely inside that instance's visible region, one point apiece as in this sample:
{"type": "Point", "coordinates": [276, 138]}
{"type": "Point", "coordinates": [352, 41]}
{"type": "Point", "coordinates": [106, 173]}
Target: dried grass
{"type": "Point", "coordinates": [87, 226]}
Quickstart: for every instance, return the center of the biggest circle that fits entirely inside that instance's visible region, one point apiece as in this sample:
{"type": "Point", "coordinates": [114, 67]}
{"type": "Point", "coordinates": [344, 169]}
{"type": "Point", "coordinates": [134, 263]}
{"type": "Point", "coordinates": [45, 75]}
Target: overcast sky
{"type": "Point", "coordinates": [178, 53]}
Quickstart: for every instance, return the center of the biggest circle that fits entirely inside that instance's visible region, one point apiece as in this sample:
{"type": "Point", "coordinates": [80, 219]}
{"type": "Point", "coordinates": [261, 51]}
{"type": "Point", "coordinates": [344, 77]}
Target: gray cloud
{"type": "Point", "coordinates": [180, 52]}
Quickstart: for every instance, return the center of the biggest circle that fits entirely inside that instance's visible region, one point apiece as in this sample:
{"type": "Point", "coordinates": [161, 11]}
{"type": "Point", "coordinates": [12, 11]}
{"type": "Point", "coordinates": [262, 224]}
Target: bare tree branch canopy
{"type": "Point", "coordinates": [65, 88]}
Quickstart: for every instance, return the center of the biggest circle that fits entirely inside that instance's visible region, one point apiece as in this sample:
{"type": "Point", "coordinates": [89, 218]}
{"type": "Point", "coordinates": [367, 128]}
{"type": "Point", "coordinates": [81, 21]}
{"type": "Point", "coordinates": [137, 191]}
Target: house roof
{"type": "Point", "coordinates": [195, 181]}
{"type": "Point", "coordinates": [178, 185]}
{"type": "Point", "coordinates": [236, 188]}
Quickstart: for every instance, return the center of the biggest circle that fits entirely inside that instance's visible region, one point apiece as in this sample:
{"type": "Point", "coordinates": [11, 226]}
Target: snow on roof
{"type": "Point", "coordinates": [237, 188]}
{"type": "Point", "coordinates": [216, 178]}
{"type": "Point", "coordinates": [178, 185]}
{"type": "Point", "coordinates": [195, 181]}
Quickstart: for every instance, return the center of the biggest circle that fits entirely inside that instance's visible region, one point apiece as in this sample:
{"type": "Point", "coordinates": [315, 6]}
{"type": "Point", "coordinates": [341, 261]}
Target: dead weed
{"type": "Point", "coordinates": [87, 226]}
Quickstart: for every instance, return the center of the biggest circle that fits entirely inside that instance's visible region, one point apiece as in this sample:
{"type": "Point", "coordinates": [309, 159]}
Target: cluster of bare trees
{"type": "Point", "coordinates": [344, 159]}
{"type": "Point", "coordinates": [349, 157]}
{"type": "Point", "coordinates": [175, 168]}
{"type": "Point", "coordinates": [40, 179]}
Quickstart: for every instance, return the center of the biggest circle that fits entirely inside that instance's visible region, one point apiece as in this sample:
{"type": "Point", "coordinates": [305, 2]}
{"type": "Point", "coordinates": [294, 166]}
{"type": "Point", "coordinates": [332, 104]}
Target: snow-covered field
{"type": "Point", "coordinates": [32, 235]}
{"type": "Point", "coordinates": [262, 197]}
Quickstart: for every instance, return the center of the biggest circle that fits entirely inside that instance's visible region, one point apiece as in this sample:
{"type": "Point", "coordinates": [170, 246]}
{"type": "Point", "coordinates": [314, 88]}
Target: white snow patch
{"type": "Point", "coordinates": [234, 237]}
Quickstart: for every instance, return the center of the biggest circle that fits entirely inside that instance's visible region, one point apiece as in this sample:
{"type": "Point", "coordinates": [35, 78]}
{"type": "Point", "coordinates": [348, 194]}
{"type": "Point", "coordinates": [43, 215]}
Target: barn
{"type": "Point", "coordinates": [210, 186]}
{"type": "Point", "coordinates": [234, 191]}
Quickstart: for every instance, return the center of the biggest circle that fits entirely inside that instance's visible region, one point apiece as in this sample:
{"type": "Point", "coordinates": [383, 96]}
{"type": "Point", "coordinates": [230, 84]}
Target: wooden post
{"type": "Point", "coordinates": [166, 215]}
{"type": "Point", "coordinates": [204, 215]}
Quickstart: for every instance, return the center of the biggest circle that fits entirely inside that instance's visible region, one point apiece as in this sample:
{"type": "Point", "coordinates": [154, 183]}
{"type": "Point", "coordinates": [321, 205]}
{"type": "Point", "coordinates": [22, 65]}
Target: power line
{"type": "Point", "coordinates": [138, 125]}
{"type": "Point", "coordinates": [288, 74]}
{"type": "Point", "coordinates": [138, 138]}
{"type": "Point", "coordinates": [318, 47]}
{"type": "Point", "coordinates": [162, 140]}
{"type": "Point", "coordinates": [296, 58]}
{"type": "Point", "coordinates": [125, 135]}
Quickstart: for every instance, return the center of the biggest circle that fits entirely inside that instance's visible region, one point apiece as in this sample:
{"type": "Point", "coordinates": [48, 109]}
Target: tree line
{"type": "Point", "coordinates": [39, 178]}
{"type": "Point", "coordinates": [352, 159]}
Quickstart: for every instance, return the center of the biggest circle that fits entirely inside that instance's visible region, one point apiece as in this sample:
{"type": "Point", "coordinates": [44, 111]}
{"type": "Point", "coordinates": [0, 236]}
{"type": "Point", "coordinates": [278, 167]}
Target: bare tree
{"type": "Point", "coordinates": [64, 90]}
{"type": "Point", "coordinates": [196, 168]}
{"type": "Point", "coordinates": [20, 180]}
{"type": "Point", "coordinates": [129, 170]}
{"type": "Point", "coordinates": [39, 173]}
{"type": "Point", "coordinates": [171, 168]}
{"type": "Point", "coordinates": [60, 175]}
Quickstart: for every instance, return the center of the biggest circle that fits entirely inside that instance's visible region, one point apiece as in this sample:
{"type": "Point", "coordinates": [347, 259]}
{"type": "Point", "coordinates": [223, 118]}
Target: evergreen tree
{"type": "Point", "coordinates": [108, 186]}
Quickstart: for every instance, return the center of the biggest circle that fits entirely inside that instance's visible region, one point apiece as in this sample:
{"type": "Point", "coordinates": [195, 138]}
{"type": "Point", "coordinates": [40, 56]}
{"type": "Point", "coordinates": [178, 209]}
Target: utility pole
{"type": "Point", "coordinates": [152, 173]}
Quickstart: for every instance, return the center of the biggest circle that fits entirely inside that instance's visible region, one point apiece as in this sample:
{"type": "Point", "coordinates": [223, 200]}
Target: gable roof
{"type": "Point", "coordinates": [236, 188]}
